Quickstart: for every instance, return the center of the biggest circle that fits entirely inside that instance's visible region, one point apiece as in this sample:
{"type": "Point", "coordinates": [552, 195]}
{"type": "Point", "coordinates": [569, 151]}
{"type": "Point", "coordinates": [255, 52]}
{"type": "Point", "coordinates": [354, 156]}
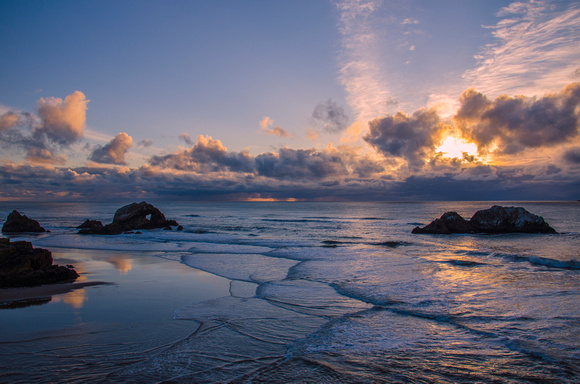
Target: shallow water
{"type": "Point", "coordinates": [327, 292]}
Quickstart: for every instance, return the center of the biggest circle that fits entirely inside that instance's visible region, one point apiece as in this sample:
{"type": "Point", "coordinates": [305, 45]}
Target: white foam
{"type": "Point", "coordinates": [245, 267]}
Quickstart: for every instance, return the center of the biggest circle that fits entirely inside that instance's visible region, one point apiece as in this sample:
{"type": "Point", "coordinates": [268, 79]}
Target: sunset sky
{"type": "Point", "coordinates": [283, 100]}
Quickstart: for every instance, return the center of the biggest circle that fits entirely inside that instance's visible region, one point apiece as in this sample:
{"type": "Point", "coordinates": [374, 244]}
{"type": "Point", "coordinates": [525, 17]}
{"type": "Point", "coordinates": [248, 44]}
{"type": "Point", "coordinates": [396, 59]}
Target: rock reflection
{"type": "Point", "coordinates": [123, 263]}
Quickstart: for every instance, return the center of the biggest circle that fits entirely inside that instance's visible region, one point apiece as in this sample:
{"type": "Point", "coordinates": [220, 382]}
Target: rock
{"type": "Point", "coordinates": [21, 265]}
{"type": "Point", "coordinates": [496, 219]}
{"type": "Point", "coordinates": [180, 228]}
{"type": "Point", "coordinates": [133, 216]}
{"type": "Point", "coordinates": [141, 216]}
{"type": "Point", "coordinates": [168, 228]}
{"type": "Point", "coordinates": [450, 222]}
{"type": "Point", "coordinates": [499, 219]}
{"type": "Point", "coordinates": [15, 222]}
{"type": "Point", "coordinates": [90, 224]}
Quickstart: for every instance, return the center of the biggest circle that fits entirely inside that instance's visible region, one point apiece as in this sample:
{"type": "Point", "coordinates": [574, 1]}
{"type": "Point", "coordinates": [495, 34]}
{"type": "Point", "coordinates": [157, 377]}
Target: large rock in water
{"type": "Point", "coordinates": [133, 216]}
{"type": "Point", "coordinates": [496, 219]}
{"type": "Point", "coordinates": [141, 216]}
{"type": "Point", "coordinates": [15, 222]}
{"type": "Point", "coordinates": [21, 265]}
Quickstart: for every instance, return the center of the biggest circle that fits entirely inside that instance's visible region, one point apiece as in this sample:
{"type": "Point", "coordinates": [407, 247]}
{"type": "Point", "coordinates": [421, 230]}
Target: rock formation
{"type": "Point", "coordinates": [496, 219]}
{"type": "Point", "coordinates": [133, 216]}
{"type": "Point", "coordinates": [15, 222]}
{"type": "Point", "coordinates": [21, 265]}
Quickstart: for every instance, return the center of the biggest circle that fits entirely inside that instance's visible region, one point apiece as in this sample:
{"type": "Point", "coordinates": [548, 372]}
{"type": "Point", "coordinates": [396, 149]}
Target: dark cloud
{"type": "Point", "coordinates": [572, 155]}
{"type": "Point", "coordinates": [553, 169]}
{"type": "Point", "coordinates": [27, 181]}
{"type": "Point", "coordinates": [114, 151]}
{"type": "Point", "coordinates": [412, 138]}
{"type": "Point", "coordinates": [331, 116]}
{"type": "Point", "coordinates": [300, 164]}
{"type": "Point", "coordinates": [206, 155]}
{"type": "Point", "coordinates": [516, 123]}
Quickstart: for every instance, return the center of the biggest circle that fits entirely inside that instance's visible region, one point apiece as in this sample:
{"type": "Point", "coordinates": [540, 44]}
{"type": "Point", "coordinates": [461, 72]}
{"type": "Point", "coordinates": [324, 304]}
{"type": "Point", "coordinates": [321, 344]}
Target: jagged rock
{"type": "Point", "coordinates": [21, 265]}
{"type": "Point", "coordinates": [15, 222]}
{"type": "Point", "coordinates": [499, 219]}
{"type": "Point", "coordinates": [180, 228]}
{"type": "Point", "coordinates": [450, 222]}
{"type": "Point", "coordinates": [133, 216]}
{"type": "Point", "coordinates": [496, 219]}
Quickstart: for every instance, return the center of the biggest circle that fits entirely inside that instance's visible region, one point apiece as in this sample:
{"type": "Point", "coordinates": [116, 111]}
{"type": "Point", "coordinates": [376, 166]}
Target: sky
{"type": "Point", "coordinates": [323, 100]}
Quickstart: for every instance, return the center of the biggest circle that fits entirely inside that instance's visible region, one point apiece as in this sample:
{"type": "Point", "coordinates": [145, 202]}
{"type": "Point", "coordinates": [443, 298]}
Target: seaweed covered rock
{"type": "Point", "coordinates": [130, 217]}
{"type": "Point", "coordinates": [21, 265]}
{"type": "Point", "coordinates": [15, 222]}
{"type": "Point", "coordinates": [496, 219]}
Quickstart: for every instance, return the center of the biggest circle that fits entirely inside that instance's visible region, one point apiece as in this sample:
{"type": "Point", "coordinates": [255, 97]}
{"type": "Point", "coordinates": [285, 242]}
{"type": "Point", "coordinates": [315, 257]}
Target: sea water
{"type": "Point", "coordinates": [332, 292]}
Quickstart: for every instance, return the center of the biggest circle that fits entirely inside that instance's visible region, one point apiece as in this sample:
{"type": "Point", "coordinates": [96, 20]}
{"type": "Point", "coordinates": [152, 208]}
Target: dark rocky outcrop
{"type": "Point", "coordinates": [21, 265]}
{"type": "Point", "coordinates": [15, 222]}
{"type": "Point", "coordinates": [133, 216]}
{"type": "Point", "coordinates": [496, 219]}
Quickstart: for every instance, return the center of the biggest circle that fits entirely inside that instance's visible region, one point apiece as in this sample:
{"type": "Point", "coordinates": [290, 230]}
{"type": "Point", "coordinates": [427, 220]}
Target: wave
{"type": "Point", "coordinates": [391, 244]}
{"type": "Point", "coordinates": [463, 263]}
{"type": "Point", "coordinates": [543, 261]}
{"type": "Point", "coordinates": [569, 264]}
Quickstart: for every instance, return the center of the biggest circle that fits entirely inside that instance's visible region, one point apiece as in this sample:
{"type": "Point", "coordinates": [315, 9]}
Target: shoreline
{"type": "Point", "coordinates": [10, 296]}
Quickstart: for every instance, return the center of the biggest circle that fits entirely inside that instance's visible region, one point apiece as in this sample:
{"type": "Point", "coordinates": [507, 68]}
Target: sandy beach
{"type": "Point", "coordinates": [118, 312]}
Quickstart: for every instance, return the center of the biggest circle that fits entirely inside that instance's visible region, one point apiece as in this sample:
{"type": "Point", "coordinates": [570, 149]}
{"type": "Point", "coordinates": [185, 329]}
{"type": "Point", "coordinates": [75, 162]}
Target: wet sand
{"type": "Point", "coordinates": [119, 312]}
{"type": "Point", "coordinates": [12, 295]}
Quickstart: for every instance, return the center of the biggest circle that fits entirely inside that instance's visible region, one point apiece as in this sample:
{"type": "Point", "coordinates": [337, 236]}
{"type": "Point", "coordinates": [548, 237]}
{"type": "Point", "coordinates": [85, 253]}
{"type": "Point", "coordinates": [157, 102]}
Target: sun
{"type": "Point", "coordinates": [455, 147]}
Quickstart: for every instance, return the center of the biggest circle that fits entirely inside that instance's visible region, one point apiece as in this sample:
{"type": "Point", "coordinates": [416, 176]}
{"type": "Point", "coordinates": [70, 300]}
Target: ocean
{"type": "Point", "coordinates": [305, 292]}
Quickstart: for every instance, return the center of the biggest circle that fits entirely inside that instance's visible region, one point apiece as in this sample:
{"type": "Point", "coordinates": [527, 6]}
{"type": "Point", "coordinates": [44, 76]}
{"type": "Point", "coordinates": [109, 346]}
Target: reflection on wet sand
{"type": "Point", "coordinates": [123, 263]}
{"type": "Point", "coordinates": [74, 295]}
{"type": "Point", "coordinates": [75, 298]}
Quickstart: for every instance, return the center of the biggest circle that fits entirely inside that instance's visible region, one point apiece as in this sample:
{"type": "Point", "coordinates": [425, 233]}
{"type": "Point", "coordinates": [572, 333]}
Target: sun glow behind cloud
{"type": "Point", "coordinates": [455, 147]}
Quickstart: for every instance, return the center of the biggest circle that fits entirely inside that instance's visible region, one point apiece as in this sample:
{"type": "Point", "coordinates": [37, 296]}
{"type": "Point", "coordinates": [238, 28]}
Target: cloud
{"type": "Point", "coordinates": [8, 120]}
{"type": "Point", "coordinates": [12, 119]}
{"type": "Point", "coordinates": [331, 116]}
{"type": "Point", "coordinates": [312, 134]}
{"type": "Point", "coordinates": [572, 155]}
{"type": "Point", "coordinates": [362, 69]}
{"type": "Point", "coordinates": [209, 156]}
{"type": "Point", "coordinates": [145, 143]}
{"type": "Point", "coordinates": [59, 124]}
{"type": "Point", "coordinates": [536, 49]}
{"type": "Point", "coordinates": [484, 183]}
{"type": "Point", "coordinates": [301, 164]}
{"type": "Point", "coordinates": [412, 138]}
{"type": "Point", "coordinates": [206, 155]}
{"type": "Point", "coordinates": [266, 126]}
{"type": "Point", "coordinates": [409, 20]}
{"type": "Point", "coordinates": [44, 156]}
{"type": "Point", "coordinates": [62, 122]}
{"type": "Point", "coordinates": [512, 124]}
{"type": "Point", "coordinates": [114, 151]}
{"type": "Point", "coordinates": [185, 137]}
